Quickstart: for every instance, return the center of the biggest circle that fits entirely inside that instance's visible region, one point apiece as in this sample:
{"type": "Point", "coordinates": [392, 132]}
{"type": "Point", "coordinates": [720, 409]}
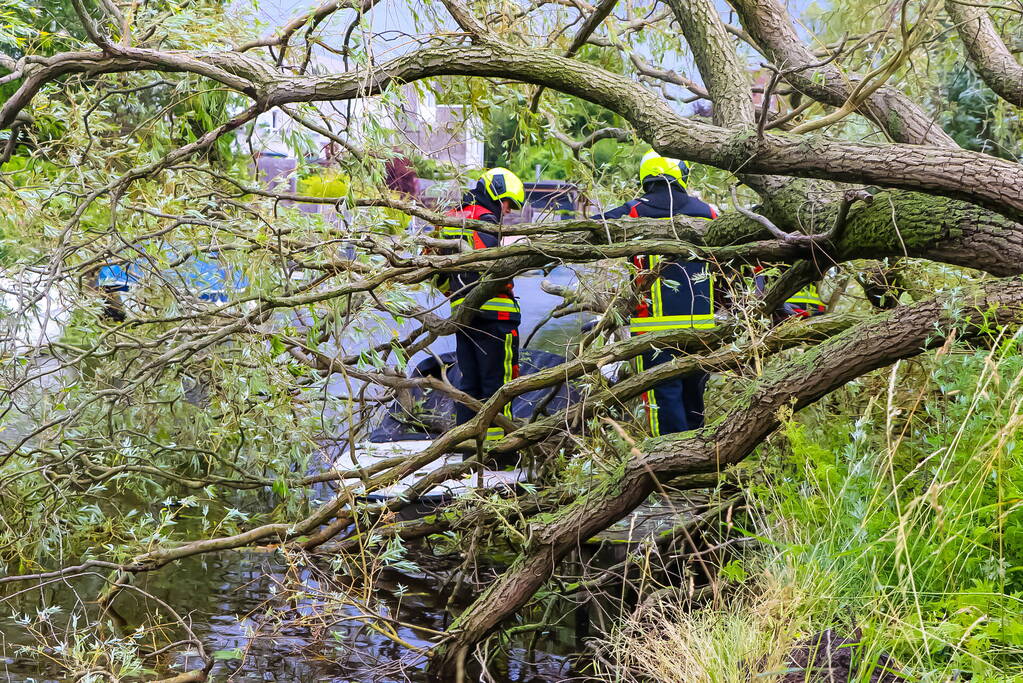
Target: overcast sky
{"type": "Point", "coordinates": [393, 20]}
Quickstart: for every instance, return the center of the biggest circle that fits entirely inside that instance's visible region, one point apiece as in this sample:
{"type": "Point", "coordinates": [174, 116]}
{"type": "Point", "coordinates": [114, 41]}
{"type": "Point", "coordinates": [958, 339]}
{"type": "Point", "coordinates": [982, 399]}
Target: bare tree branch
{"type": "Point", "coordinates": [466, 20]}
{"type": "Point", "coordinates": [593, 21]}
{"type": "Point", "coordinates": [768, 23]}
{"type": "Point", "coordinates": [987, 181]}
{"type": "Point", "coordinates": [987, 51]}
{"type": "Point", "coordinates": [282, 36]}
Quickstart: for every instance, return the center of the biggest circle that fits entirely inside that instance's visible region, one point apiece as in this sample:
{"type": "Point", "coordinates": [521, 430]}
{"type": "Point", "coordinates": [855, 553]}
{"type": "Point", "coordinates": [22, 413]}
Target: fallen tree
{"type": "Point", "coordinates": [169, 183]}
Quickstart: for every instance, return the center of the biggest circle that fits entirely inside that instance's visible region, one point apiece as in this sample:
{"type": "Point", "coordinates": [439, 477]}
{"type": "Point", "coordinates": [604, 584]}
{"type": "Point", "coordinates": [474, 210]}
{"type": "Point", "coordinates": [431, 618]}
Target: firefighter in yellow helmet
{"type": "Point", "coordinates": [487, 347]}
{"type": "Point", "coordinates": [675, 292]}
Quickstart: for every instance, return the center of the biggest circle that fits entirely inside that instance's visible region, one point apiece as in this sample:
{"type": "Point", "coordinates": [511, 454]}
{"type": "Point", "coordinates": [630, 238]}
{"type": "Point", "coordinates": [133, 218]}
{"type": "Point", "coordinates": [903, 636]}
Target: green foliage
{"type": "Point", "coordinates": [432, 169]}
{"type": "Point", "coordinates": [522, 143]}
{"type": "Point", "coordinates": [520, 140]}
{"type": "Point", "coordinates": [977, 118]}
{"type": "Point", "coordinates": [893, 510]}
{"type": "Point", "coordinates": [898, 515]}
{"type": "Point", "coordinates": [908, 522]}
{"type": "Point", "coordinates": [41, 26]}
{"type": "Point", "coordinates": [325, 184]}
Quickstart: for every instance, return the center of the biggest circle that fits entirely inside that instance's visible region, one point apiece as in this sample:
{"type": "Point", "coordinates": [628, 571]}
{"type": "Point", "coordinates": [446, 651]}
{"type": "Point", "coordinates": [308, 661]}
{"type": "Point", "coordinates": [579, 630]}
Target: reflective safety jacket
{"type": "Point", "coordinates": [805, 303]}
{"type": "Point", "coordinates": [456, 285]}
{"type": "Point", "coordinates": [681, 293]}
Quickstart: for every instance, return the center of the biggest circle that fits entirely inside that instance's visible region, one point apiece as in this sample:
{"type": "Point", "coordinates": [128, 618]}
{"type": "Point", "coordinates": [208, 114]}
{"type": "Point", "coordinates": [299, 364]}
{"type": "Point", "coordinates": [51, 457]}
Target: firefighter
{"type": "Point", "coordinates": [805, 303]}
{"type": "Point", "coordinates": [675, 293]}
{"type": "Point", "coordinates": [487, 346]}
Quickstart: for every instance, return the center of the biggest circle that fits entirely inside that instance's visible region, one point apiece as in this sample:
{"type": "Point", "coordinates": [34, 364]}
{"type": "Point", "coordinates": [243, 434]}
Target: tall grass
{"type": "Point", "coordinates": [894, 511]}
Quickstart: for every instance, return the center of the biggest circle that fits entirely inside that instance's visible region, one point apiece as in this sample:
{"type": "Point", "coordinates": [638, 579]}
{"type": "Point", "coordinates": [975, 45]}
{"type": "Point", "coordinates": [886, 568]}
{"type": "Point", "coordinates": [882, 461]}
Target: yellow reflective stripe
{"type": "Point", "coordinates": [509, 369]}
{"type": "Point", "coordinates": [710, 285]}
{"type": "Point", "coordinates": [655, 422]}
{"type": "Point", "coordinates": [672, 326]}
{"type": "Point", "coordinates": [456, 232]}
{"type": "Point", "coordinates": [656, 300]}
{"type": "Point", "coordinates": [672, 322]}
{"type": "Point", "coordinates": [494, 433]}
{"type": "Point", "coordinates": [650, 403]}
{"type": "Point", "coordinates": [701, 218]}
{"type": "Point", "coordinates": [493, 304]}
{"type": "Point", "coordinates": [807, 295]}
{"type": "Point", "coordinates": [673, 318]}
{"type": "Point", "coordinates": [500, 305]}
{"type": "Point", "coordinates": [507, 359]}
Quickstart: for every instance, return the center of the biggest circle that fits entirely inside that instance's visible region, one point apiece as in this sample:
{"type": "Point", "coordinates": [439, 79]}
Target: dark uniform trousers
{"type": "Point", "coordinates": [488, 357]}
{"type": "Point", "coordinates": [675, 405]}
{"type": "Point", "coordinates": [487, 349]}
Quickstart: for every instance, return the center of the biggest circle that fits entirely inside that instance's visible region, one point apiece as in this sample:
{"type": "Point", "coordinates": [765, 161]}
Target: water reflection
{"type": "Point", "coordinates": [230, 598]}
{"type": "Point", "coordinates": [237, 607]}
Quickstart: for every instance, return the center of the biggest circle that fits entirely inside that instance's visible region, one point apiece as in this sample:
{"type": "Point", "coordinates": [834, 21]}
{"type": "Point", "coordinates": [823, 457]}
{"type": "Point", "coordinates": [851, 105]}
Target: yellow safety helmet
{"type": "Point", "coordinates": [501, 183]}
{"type": "Point", "coordinates": [653, 164]}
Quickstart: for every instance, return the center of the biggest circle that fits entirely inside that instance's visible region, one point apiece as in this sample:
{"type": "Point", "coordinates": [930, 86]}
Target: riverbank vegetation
{"type": "Point", "coordinates": [887, 519]}
{"type": "Point", "coordinates": [856, 491]}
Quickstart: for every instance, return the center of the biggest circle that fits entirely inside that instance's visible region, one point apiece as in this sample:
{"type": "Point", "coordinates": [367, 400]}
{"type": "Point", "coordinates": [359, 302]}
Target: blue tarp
{"type": "Point", "coordinates": [205, 277]}
{"type": "Point", "coordinates": [117, 277]}
{"type": "Point", "coordinates": [208, 279]}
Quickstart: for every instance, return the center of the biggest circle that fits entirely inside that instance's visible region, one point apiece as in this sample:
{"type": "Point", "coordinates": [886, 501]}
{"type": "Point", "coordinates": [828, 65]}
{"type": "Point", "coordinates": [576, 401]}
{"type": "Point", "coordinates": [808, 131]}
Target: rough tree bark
{"type": "Point", "coordinates": [904, 332]}
{"type": "Point", "coordinates": [987, 51]}
{"type": "Point", "coordinates": [935, 201]}
{"type": "Point", "coordinates": [988, 181]}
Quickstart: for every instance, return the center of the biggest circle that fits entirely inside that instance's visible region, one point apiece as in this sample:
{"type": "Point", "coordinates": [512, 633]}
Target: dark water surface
{"type": "Point", "coordinates": [233, 601]}
{"type": "Point", "coordinates": [230, 600]}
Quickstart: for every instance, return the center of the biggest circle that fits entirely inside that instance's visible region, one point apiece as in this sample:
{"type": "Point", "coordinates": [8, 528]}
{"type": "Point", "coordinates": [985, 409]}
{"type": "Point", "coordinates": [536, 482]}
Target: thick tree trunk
{"type": "Point", "coordinates": [951, 172]}
{"type": "Point", "coordinates": [904, 332]}
{"type": "Point", "coordinates": [895, 224]}
{"type": "Point", "coordinates": [768, 22]}
{"type": "Point", "coordinates": [987, 51]}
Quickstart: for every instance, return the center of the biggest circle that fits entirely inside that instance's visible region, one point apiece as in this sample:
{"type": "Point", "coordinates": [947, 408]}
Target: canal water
{"type": "Point", "coordinates": [235, 604]}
